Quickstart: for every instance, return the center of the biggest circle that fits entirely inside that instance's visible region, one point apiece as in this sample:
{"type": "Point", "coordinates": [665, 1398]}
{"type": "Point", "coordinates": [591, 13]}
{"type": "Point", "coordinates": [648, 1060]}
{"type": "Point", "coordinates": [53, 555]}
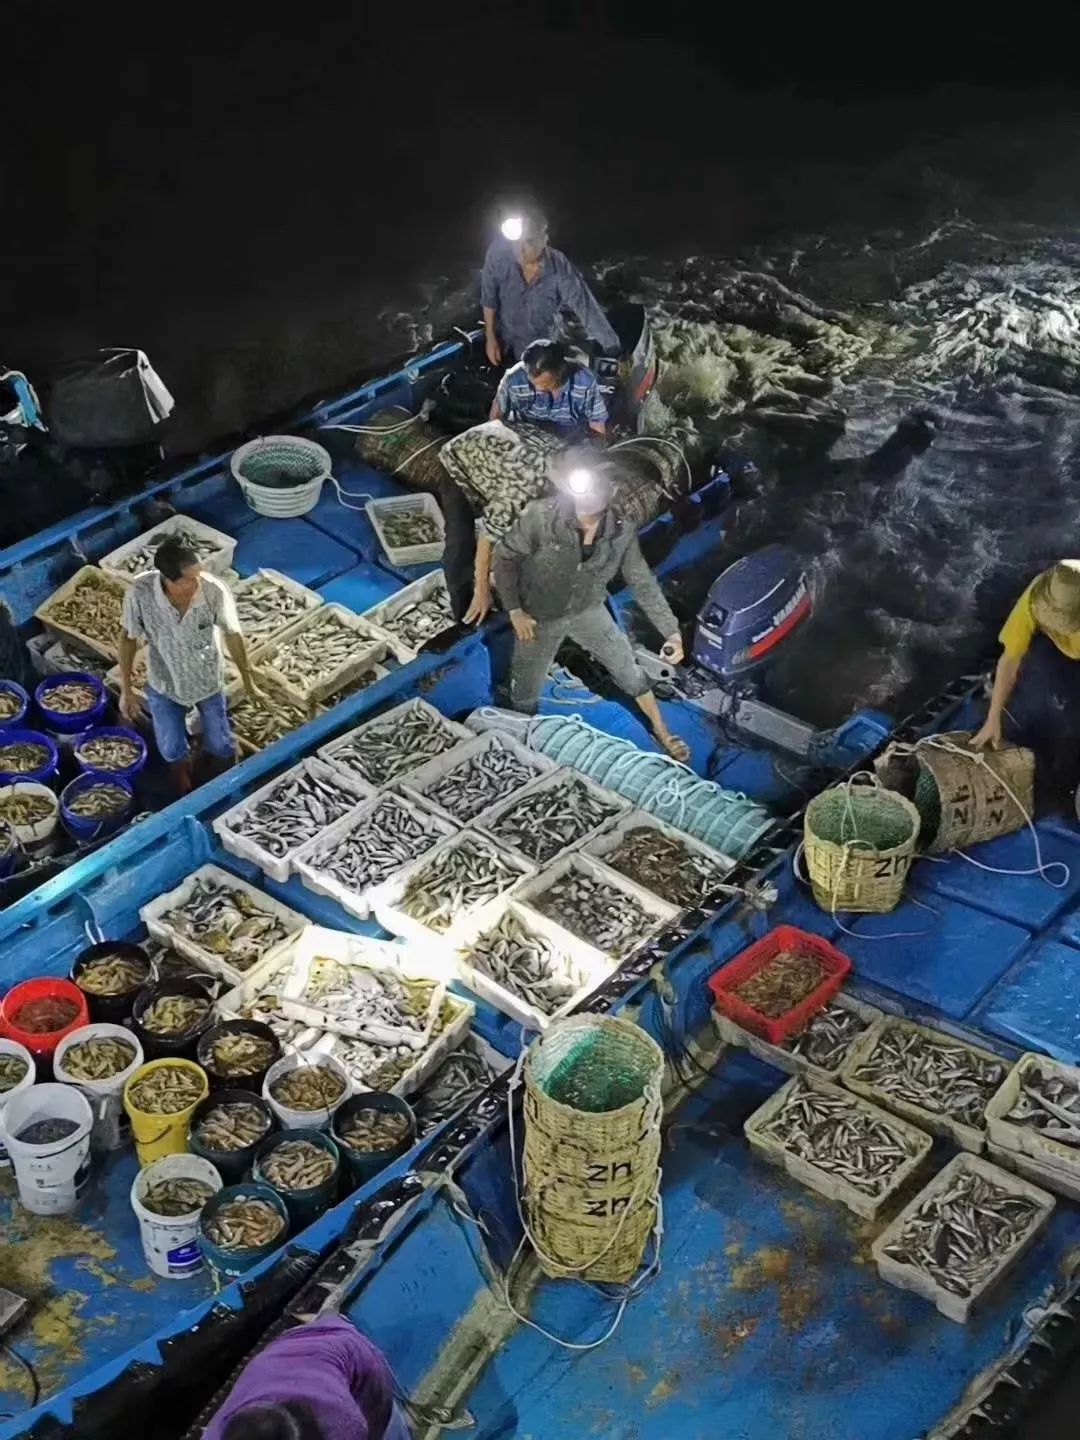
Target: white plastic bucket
{"type": "Point", "coordinates": [12, 1047]}
{"type": "Point", "coordinates": [40, 837]}
{"type": "Point", "coordinates": [112, 1128]}
{"type": "Point", "coordinates": [305, 1119]}
{"type": "Point", "coordinates": [305, 459]}
{"type": "Point", "coordinates": [171, 1242]}
{"type": "Point", "coordinates": [51, 1177]}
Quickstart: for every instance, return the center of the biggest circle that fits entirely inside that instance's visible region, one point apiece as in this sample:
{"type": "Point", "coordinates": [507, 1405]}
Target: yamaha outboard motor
{"type": "Point", "coordinates": [749, 610]}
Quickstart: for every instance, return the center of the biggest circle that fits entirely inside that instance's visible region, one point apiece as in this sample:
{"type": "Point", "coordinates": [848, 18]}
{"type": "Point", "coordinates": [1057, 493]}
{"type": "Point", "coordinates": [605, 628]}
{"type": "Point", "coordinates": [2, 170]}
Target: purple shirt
{"type": "Point", "coordinates": [327, 1365]}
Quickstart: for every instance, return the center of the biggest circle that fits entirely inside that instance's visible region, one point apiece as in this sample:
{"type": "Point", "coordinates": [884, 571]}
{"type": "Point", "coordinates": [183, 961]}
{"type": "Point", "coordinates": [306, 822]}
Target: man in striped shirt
{"type": "Point", "coordinates": [547, 388]}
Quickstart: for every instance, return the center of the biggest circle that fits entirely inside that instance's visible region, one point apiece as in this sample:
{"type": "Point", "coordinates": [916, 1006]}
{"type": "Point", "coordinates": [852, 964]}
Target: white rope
{"type": "Point", "coordinates": [352, 494]}
{"type": "Point", "coordinates": [376, 429]}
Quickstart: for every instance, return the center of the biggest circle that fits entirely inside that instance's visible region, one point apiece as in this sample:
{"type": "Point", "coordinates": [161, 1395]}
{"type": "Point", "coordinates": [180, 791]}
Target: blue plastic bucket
{"type": "Point", "coordinates": [230, 1261]}
{"type": "Point", "coordinates": [16, 692]}
{"type": "Point", "coordinates": [81, 719]}
{"type": "Point", "coordinates": [84, 828]}
{"type": "Point", "coordinates": [112, 732]}
{"type": "Point", "coordinates": [44, 772]}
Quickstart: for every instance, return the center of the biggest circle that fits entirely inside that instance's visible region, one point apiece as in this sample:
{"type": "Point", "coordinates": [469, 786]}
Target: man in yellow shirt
{"type": "Point", "coordinates": [1037, 681]}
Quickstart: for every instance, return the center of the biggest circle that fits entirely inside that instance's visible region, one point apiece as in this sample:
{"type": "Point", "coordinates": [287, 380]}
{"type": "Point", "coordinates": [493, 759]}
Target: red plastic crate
{"type": "Point", "coordinates": [784, 937]}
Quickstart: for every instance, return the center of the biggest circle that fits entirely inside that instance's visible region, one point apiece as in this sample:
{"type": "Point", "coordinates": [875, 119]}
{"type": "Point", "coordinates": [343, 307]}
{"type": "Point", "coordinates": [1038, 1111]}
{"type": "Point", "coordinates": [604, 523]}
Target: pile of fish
{"type": "Point", "coordinates": [62, 658]}
{"type": "Point", "coordinates": [371, 1130]}
{"type": "Point", "coordinates": [546, 821]}
{"type": "Point", "coordinates": [109, 753]}
{"type": "Point", "coordinates": [244, 1224]}
{"type": "Point", "coordinates": [298, 1165]}
{"type": "Point", "coordinates": [388, 836]}
{"type": "Point", "coordinates": [24, 809]}
{"type": "Point", "coordinates": [12, 1069]}
{"type": "Point", "coordinates": [92, 609]}
{"type": "Point", "coordinates": [476, 785]}
{"type": "Point", "coordinates": [386, 1007]}
{"type": "Point", "coordinates": [224, 920]}
{"type": "Point", "coordinates": [526, 964]}
{"type": "Point", "coordinates": [1050, 1104]}
{"type": "Point", "coordinates": [259, 722]}
{"type": "Point", "coordinates": [47, 1132]}
{"type": "Point", "coordinates": [172, 1015]}
{"type": "Point", "coordinates": [232, 1126]}
{"type": "Point", "coordinates": [494, 458]}
{"type": "Point", "coordinates": [98, 802]}
{"type": "Point", "coordinates": [266, 1008]}
{"type": "Point", "coordinates": [300, 805]}
{"type": "Point", "coordinates": [402, 527]}
{"type": "Point", "coordinates": [176, 1197]}
{"type": "Point", "coordinates": [352, 687]}
{"type": "Point", "coordinates": [373, 1067]}
{"type": "Point", "coordinates": [45, 1015]}
{"type": "Point", "coordinates": [829, 1036]}
{"type": "Point", "coordinates": [142, 557]}
{"type": "Point", "coordinates": [112, 974]}
{"type": "Point", "coordinates": [22, 757]}
{"type": "Point", "coordinates": [941, 1076]}
{"type": "Point", "coordinates": [99, 1058]}
{"type": "Point", "coordinates": [415, 623]}
{"type": "Point", "coordinates": [264, 607]}
{"type": "Point", "coordinates": [385, 749]}
{"type": "Point", "coordinates": [166, 1090]}
{"type": "Point", "coordinates": [69, 697]}
{"type": "Point", "coordinates": [462, 1075]}
{"type": "Point", "coordinates": [239, 1052]}
{"type": "Point", "coordinates": [661, 863]}
{"type": "Point", "coordinates": [783, 982]}
{"type": "Point", "coordinates": [316, 652]}
{"type": "Point", "coordinates": [960, 1235]}
{"type": "Point", "coordinates": [309, 1087]}
{"type": "Point", "coordinates": [464, 876]}
{"type": "Point", "coordinates": [598, 913]}
{"type": "Point", "coordinates": [836, 1134]}
{"type": "Point", "coordinates": [10, 704]}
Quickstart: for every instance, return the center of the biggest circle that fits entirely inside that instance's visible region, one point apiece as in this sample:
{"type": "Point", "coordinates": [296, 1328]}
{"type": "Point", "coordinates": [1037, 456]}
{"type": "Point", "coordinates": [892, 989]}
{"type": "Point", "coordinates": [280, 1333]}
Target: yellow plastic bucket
{"type": "Point", "coordinates": [156, 1135]}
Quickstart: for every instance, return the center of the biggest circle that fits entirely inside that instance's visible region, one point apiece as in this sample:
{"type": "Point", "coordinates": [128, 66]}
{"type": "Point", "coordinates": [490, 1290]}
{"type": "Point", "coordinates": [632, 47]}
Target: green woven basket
{"type": "Point", "coordinates": [860, 842]}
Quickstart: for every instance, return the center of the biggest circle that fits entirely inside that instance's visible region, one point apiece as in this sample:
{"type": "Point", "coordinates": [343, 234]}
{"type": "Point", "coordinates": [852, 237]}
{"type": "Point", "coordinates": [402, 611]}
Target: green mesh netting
{"type": "Point", "coordinates": [869, 816]}
{"type": "Point", "coordinates": [280, 465]}
{"type": "Point", "coordinates": [927, 799]}
{"type": "Point", "coordinates": [601, 1073]}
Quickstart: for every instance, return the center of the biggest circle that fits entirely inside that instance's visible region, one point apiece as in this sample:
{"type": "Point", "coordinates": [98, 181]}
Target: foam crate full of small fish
{"type": "Point", "coordinates": [213, 548]}
{"type": "Point", "coordinates": [819, 1049]}
{"type": "Point", "coordinates": [271, 825]}
{"type": "Point", "coordinates": [456, 1081]}
{"type": "Point", "coordinates": [409, 528]}
{"type": "Point", "coordinates": [837, 1144]}
{"type": "Point", "coordinates": [660, 859]}
{"type": "Point", "coordinates": [259, 722]}
{"type": "Point", "coordinates": [364, 850]}
{"type": "Point", "coordinates": [268, 603]}
{"type": "Point", "coordinates": [465, 783]}
{"type": "Point", "coordinates": [941, 1083]}
{"type": "Point", "coordinates": [395, 743]}
{"type": "Point", "coordinates": [1036, 1114]}
{"type": "Point", "coordinates": [578, 898]}
{"type": "Point", "coordinates": [86, 610]}
{"type": "Point", "coordinates": [228, 927]}
{"type": "Point", "coordinates": [318, 654]}
{"type": "Point", "coordinates": [451, 893]}
{"type": "Point", "coordinates": [412, 617]}
{"type": "Point", "coordinates": [556, 814]}
{"type": "Point", "coordinates": [962, 1234]}
{"type": "Point", "coordinates": [397, 1068]}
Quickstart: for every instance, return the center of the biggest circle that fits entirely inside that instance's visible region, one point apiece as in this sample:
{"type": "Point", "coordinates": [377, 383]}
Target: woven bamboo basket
{"type": "Point", "coordinates": [592, 1146]}
{"type": "Point", "coordinates": [965, 796]}
{"type": "Point", "coordinates": [408, 452]}
{"type": "Point", "coordinates": [860, 841]}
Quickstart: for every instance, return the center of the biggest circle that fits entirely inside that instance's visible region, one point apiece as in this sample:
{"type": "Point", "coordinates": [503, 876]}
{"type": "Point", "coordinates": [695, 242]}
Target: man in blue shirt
{"type": "Point", "coordinates": [524, 287]}
{"type": "Point", "coordinates": [545, 387]}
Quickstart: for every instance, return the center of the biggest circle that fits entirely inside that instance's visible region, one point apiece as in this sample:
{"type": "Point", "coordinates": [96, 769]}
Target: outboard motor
{"type": "Point", "coordinates": [753, 606]}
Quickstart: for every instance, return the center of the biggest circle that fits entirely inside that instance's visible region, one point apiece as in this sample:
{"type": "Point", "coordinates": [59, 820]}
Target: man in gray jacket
{"type": "Point", "coordinates": [552, 570]}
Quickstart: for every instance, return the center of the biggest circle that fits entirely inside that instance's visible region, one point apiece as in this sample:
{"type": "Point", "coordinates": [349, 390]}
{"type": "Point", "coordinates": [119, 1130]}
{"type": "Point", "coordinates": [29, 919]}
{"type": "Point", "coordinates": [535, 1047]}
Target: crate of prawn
{"type": "Point", "coordinates": [775, 985]}
{"type": "Point", "coordinates": [819, 1048]}
{"type": "Point", "coordinates": [394, 743]}
{"type": "Point", "coordinates": [837, 1144]}
{"type": "Point", "coordinates": [318, 654]}
{"type": "Point", "coordinates": [962, 1234]}
{"type": "Point", "coordinates": [214, 549]}
{"type": "Point", "coordinates": [465, 783]}
{"type": "Point", "coordinates": [397, 1068]}
{"type": "Point", "coordinates": [525, 974]}
{"type": "Point", "coordinates": [87, 610]}
{"type": "Point", "coordinates": [556, 814]}
{"type": "Point", "coordinates": [941, 1083]}
{"type": "Point", "coordinates": [410, 528]}
{"type": "Point", "coordinates": [416, 614]}
{"type": "Point", "coordinates": [578, 899]}
{"type": "Point", "coordinates": [226, 926]}
{"type": "Point", "coordinates": [660, 858]}
{"type": "Point", "coordinates": [1036, 1116]}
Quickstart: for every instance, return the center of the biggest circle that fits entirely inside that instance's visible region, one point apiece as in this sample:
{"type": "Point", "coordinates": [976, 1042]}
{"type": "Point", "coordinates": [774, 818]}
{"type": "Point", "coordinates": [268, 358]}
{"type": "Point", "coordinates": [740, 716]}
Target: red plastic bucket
{"type": "Point", "coordinates": [41, 1043]}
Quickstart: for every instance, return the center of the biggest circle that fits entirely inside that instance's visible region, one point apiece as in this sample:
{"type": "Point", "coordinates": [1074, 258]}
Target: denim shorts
{"type": "Point", "coordinates": [170, 732]}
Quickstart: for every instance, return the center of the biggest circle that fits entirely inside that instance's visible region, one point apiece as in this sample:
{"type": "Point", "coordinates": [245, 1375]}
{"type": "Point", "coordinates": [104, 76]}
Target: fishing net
{"type": "Point", "coordinates": [860, 841]}
{"type": "Point", "coordinates": [282, 461]}
{"type": "Point", "coordinates": [407, 449]}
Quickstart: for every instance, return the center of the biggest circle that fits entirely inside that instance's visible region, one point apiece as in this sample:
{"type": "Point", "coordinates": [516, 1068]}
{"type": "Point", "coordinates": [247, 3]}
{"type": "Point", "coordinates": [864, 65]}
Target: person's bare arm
{"type": "Point", "coordinates": [481, 601]}
{"type": "Point", "coordinates": [1004, 684]}
{"type": "Point", "coordinates": [492, 348]}
{"type": "Point", "coordinates": [130, 704]}
{"type": "Point", "coordinates": [234, 644]}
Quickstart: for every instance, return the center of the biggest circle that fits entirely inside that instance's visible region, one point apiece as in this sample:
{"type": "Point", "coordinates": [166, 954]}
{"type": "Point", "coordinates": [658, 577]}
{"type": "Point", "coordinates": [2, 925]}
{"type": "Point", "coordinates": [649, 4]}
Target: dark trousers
{"type": "Point", "coordinates": [459, 557]}
{"type": "Point", "coordinates": [1045, 711]}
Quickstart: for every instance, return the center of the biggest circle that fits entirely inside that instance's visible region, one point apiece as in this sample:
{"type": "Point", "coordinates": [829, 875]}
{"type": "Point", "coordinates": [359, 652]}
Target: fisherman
{"type": "Point", "coordinates": [319, 1381]}
{"type": "Point", "coordinates": [526, 285]}
{"type": "Point", "coordinates": [1037, 682]}
{"type": "Point", "coordinates": [552, 571]}
{"type": "Point", "coordinates": [178, 611]}
{"type": "Point", "coordinates": [546, 387]}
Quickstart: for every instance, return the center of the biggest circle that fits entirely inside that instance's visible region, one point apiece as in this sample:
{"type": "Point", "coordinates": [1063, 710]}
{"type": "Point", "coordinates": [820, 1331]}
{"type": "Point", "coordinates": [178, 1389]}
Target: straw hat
{"type": "Point", "coordinates": [1055, 597]}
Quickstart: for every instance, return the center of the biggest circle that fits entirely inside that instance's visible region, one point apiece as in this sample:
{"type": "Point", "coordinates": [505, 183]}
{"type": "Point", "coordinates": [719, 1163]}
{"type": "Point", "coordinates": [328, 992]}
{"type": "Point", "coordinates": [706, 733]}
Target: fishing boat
{"type": "Point", "coordinates": [763, 1313]}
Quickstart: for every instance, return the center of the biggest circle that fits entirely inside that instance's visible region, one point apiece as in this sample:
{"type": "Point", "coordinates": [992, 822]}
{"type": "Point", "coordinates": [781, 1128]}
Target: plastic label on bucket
{"type": "Point", "coordinates": [185, 1259]}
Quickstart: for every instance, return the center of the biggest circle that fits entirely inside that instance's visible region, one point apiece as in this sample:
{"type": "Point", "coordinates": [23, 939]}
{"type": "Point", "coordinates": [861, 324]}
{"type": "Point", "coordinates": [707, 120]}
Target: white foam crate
{"type": "Point", "coordinates": [1053, 1155]}
{"type": "Point", "coordinates": [385, 901]}
{"type": "Point", "coordinates": [86, 575]}
{"type": "Point", "coordinates": [366, 654]}
{"type": "Point", "coordinates": [834, 1187]}
{"type": "Point", "coordinates": [910, 1277]}
{"type": "Point", "coordinates": [448, 1039]}
{"type": "Point", "coordinates": [376, 671]}
{"type": "Point", "coordinates": [359, 902]}
{"type": "Point", "coordinates": [355, 952]}
{"type": "Point", "coordinates": [50, 656]}
{"type": "Point", "coordinates": [617, 806]}
{"type": "Point", "coordinates": [420, 503]}
{"type": "Point", "coordinates": [380, 617]}
{"type": "Point", "coordinates": [310, 599]}
{"type": "Point", "coordinates": [279, 867]}
{"type": "Point", "coordinates": [336, 753]}
{"type": "Point", "coordinates": [234, 691]}
{"type": "Point", "coordinates": [661, 912]}
{"type": "Point", "coordinates": [217, 562]}
{"type": "Point", "coordinates": [787, 1060]}
{"type": "Point", "coordinates": [586, 964]}
{"type": "Point", "coordinates": [419, 783]}
{"type": "Point", "coordinates": [963, 1135]}
{"type": "Point", "coordinates": [152, 915]}
{"type": "Point", "coordinates": [603, 845]}
{"type": "Point", "coordinates": [258, 998]}
{"type": "Point", "coordinates": [1047, 1177]}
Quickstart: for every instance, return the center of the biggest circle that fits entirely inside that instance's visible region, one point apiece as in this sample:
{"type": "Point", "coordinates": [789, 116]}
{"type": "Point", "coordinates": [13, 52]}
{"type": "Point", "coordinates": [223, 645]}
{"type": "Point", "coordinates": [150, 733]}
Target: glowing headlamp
{"type": "Point", "coordinates": [580, 482]}
{"type": "Point", "coordinates": [513, 227]}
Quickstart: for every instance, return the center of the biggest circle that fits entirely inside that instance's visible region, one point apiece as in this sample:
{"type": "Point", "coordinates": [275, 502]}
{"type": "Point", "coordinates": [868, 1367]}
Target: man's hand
{"type": "Point", "coordinates": [251, 685]}
{"type": "Point", "coordinates": [672, 649]}
{"type": "Point", "coordinates": [524, 626]}
{"type": "Point", "coordinates": [131, 707]}
{"type": "Point", "coordinates": [480, 607]}
{"type": "Point", "coordinates": [492, 349]}
{"type": "Point", "coordinates": [989, 737]}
